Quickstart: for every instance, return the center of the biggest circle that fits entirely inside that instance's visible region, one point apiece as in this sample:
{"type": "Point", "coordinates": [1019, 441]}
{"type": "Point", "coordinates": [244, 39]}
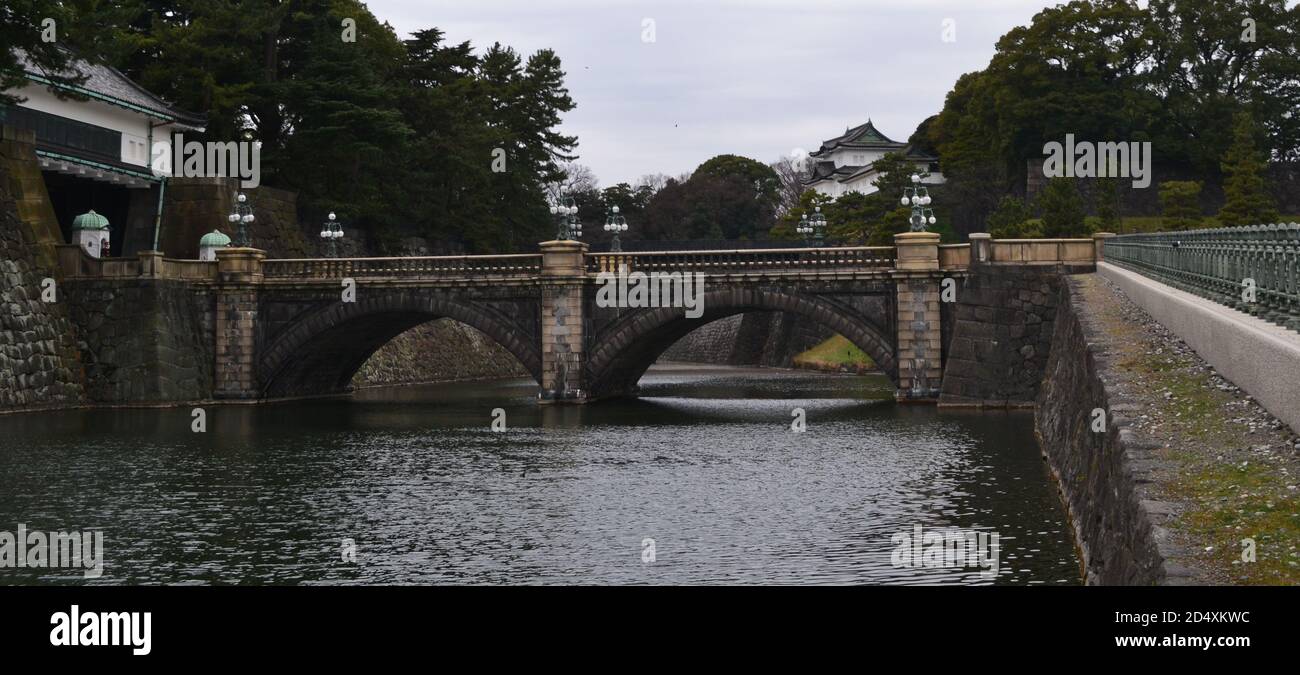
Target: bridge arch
{"type": "Point", "coordinates": [320, 352]}
{"type": "Point", "coordinates": [631, 344]}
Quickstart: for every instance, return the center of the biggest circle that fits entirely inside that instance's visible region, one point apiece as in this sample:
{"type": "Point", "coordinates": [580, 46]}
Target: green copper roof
{"type": "Point", "coordinates": [865, 136]}
{"type": "Point", "coordinates": [214, 238]}
{"type": "Point", "coordinates": [870, 135]}
{"type": "Point", "coordinates": [90, 221]}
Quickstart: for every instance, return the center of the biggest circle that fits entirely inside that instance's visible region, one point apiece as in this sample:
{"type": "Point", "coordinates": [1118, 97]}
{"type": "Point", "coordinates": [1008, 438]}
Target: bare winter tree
{"type": "Point", "coordinates": [654, 181]}
{"type": "Point", "coordinates": [577, 178]}
{"type": "Point", "coordinates": [792, 171]}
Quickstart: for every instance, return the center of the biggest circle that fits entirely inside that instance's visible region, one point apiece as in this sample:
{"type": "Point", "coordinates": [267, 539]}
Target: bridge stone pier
{"type": "Point", "coordinates": [563, 344]}
{"type": "Point", "coordinates": [943, 322]}
{"type": "Point", "coordinates": [239, 278]}
{"type": "Point", "coordinates": [920, 340]}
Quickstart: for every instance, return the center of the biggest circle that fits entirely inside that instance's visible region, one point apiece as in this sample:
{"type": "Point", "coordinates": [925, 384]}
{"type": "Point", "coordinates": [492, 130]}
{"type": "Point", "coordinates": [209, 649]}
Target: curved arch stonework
{"type": "Point", "coordinates": [631, 344]}
{"type": "Point", "coordinates": [319, 352]}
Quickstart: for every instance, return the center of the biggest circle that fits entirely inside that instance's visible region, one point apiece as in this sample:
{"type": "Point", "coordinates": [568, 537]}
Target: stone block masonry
{"type": "Point", "coordinates": [235, 322]}
{"type": "Point", "coordinates": [562, 341]}
{"type": "Point", "coordinates": [236, 314]}
{"type": "Point", "coordinates": [438, 351]}
{"type": "Point", "coordinates": [196, 206]}
{"type": "Point", "coordinates": [1002, 336]}
{"type": "Point", "coordinates": [564, 323]}
{"type": "Point", "coordinates": [26, 197]}
{"type": "Point", "coordinates": [920, 358]}
{"type": "Point", "coordinates": [770, 339]}
{"type": "Point", "coordinates": [39, 362]}
{"type": "Point", "coordinates": [143, 341]}
{"type": "Point", "coordinates": [1097, 470]}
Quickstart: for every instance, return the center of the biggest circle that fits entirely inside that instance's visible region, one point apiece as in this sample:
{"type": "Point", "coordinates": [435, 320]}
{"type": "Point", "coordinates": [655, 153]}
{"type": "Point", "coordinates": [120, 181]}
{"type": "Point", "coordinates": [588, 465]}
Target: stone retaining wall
{"type": "Point", "coordinates": [438, 351]}
{"type": "Point", "coordinates": [1004, 317]}
{"type": "Point", "coordinates": [143, 340]}
{"type": "Point", "coordinates": [769, 339]}
{"type": "Point", "coordinates": [39, 365]}
{"type": "Point", "coordinates": [27, 198]}
{"type": "Point", "coordinates": [1096, 470]}
{"type": "Point", "coordinates": [195, 206]}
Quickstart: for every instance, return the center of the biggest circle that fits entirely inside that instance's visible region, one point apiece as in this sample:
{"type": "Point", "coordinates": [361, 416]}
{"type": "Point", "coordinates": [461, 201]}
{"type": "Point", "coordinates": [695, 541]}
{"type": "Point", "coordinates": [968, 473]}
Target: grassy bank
{"type": "Point", "coordinates": [1235, 468]}
{"type": "Point", "coordinates": [835, 354]}
{"type": "Point", "coordinates": [1236, 488]}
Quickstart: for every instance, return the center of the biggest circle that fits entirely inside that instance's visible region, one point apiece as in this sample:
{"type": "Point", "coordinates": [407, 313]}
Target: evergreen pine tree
{"type": "Point", "coordinates": [1062, 209]}
{"type": "Point", "coordinates": [1105, 201]}
{"type": "Point", "coordinates": [1247, 202]}
{"type": "Point", "coordinates": [1180, 201]}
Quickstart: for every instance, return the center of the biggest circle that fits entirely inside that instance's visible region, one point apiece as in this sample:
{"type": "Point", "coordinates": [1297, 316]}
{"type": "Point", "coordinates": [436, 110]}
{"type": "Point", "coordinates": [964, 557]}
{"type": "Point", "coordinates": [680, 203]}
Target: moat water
{"type": "Point", "coordinates": [699, 481]}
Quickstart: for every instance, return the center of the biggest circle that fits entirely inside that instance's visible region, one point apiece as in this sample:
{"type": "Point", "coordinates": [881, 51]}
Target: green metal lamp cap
{"type": "Point", "coordinates": [90, 221]}
{"type": "Point", "coordinates": [214, 239]}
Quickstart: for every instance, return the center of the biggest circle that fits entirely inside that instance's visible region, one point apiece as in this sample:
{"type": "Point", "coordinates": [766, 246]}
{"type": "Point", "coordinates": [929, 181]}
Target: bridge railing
{"type": "Point", "coordinates": [746, 260]}
{"type": "Point", "coordinates": [523, 264]}
{"type": "Point", "coordinates": [1224, 265]}
{"type": "Point", "coordinates": [75, 263]}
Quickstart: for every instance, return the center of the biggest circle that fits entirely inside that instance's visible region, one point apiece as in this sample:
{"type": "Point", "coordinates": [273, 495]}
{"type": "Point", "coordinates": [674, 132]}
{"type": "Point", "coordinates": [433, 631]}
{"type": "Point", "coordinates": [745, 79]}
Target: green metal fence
{"type": "Point", "coordinates": [1224, 265]}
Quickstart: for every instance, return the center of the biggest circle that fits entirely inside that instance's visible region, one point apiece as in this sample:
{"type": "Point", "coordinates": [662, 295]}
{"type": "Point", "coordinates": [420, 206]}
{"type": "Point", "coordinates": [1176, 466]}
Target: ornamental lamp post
{"type": "Point", "coordinates": [816, 226]}
{"type": "Point", "coordinates": [243, 217]}
{"type": "Point", "coordinates": [918, 197]}
{"type": "Point", "coordinates": [615, 223]}
{"type": "Point", "coordinates": [331, 231]}
{"type": "Point", "coordinates": [565, 211]}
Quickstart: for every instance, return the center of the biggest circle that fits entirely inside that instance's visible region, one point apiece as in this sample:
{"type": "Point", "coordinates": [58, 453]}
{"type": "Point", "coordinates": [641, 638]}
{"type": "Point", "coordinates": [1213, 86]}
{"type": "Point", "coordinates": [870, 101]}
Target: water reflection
{"type": "Point", "coordinates": [705, 464]}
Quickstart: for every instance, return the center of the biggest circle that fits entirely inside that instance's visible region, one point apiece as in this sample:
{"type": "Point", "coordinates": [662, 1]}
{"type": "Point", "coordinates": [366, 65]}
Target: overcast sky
{"type": "Point", "coordinates": [758, 78]}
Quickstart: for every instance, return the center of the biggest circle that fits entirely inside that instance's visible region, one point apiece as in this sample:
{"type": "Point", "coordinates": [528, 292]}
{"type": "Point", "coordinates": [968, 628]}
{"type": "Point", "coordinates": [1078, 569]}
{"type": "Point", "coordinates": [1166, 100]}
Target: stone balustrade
{"type": "Point", "coordinates": [917, 253]}
{"type": "Point", "coordinates": [527, 264]}
{"type": "Point", "coordinates": [954, 256]}
{"type": "Point", "coordinates": [1046, 251]}
{"type": "Point", "coordinates": [747, 260]}
{"type": "Point", "coordinates": [75, 263]}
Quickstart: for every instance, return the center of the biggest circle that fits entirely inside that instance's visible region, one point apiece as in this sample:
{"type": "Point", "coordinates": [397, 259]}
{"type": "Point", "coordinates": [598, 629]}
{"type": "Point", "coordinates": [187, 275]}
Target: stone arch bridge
{"type": "Point", "coordinates": [273, 329]}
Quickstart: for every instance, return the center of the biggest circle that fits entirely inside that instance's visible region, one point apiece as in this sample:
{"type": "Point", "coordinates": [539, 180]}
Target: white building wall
{"type": "Point", "coordinates": [865, 184]}
{"type": "Point", "coordinates": [133, 126]}
{"type": "Point", "coordinates": [850, 157]}
{"type": "Point", "coordinates": [92, 241]}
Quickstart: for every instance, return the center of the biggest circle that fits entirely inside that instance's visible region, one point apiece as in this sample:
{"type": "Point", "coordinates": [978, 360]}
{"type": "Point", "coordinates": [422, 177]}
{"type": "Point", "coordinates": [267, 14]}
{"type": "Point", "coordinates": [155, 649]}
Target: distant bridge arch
{"type": "Point", "coordinates": [322, 348]}
{"type": "Point", "coordinates": [631, 343]}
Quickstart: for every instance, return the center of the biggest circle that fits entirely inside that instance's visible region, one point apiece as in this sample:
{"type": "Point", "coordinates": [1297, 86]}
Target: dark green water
{"type": "Point", "coordinates": [704, 464]}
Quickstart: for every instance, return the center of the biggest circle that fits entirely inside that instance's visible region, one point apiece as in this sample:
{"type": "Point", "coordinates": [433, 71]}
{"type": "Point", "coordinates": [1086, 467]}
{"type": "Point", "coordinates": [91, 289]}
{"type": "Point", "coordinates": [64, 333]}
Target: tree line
{"type": "Point", "coordinates": [428, 138]}
{"type": "Point", "coordinates": [414, 137]}
{"type": "Point", "coordinates": [1211, 84]}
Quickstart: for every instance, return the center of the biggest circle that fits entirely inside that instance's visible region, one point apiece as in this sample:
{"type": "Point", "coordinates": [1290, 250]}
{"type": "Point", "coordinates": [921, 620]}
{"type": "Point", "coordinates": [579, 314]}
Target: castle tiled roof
{"type": "Point", "coordinates": [826, 170]}
{"type": "Point", "coordinates": [106, 83]}
{"type": "Point", "coordinates": [910, 153]}
{"type": "Point", "coordinates": [863, 136]}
